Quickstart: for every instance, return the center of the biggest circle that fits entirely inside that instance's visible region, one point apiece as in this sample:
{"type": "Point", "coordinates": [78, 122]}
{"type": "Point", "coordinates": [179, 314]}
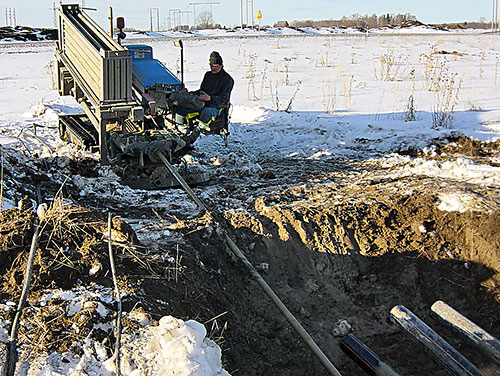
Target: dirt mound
{"type": "Point", "coordinates": [465, 146]}
{"type": "Point", "coordinates": [355, 253]}
{"type": "Point", "coordinates": [366, 240]}
{"type": "Point", "coordinates": [72, 251]}
{"type": "Point", "coordinates": [72, 242]}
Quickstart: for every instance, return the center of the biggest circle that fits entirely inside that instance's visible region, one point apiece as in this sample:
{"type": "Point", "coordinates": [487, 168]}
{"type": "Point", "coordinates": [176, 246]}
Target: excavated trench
{"type": "Point", "coordinates": [336, 241]}
{"type": "Point", "coordinates": [354, 254]}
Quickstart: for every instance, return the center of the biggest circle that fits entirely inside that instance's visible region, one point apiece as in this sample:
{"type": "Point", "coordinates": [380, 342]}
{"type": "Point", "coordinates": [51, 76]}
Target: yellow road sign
{"type": "Point", "coordinates": [259, 15]}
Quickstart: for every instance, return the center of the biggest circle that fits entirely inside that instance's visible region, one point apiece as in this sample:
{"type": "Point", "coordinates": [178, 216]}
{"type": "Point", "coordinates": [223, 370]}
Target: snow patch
{"type": "Point", "coordinates": [455, 202]}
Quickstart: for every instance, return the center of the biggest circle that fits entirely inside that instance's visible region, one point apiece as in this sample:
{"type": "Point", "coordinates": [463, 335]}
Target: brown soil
{"type": "Point", "coordinates": [343, 240]}
{"type": "Point", "coordinates": [71, 242]}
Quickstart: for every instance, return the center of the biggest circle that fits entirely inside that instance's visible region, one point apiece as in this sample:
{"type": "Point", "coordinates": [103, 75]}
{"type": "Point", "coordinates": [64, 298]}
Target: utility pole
{"type": "Point", "coordinates": [246, 12]}
{"type": "Point", "coordinates": [154, 12]}
{"type": "Point", "coordinates": [253, 15]}
{"type": "Point", "coordinates": [10, 16]}
{"type": "Point", "coordinates": [246, 9]}
{"type": "Point", "coordinates": [110, 18]}
{"type": "Point", "coordinates": [194, 13]}
{"type": "Point", "coordinates": [150, 19]}
{"type": "Point", "coordinates": [249, 11]}
{"type": "Point", "coordinates": [54, 10]}
{"type": "Point", "coordinates": [241, 13]}
{"type": "Point", "coordinates": [494, 17]}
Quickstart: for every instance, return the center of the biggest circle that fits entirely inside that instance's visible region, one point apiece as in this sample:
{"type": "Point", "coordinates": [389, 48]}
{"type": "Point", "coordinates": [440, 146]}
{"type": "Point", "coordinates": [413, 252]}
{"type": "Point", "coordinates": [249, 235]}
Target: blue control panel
{"type": "Point", "coordinates": [150, 73]}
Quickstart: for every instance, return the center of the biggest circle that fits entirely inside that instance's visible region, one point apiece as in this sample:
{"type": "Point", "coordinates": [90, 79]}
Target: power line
{"type": "Point", "coordinates": [202, 3]}
{"type": "Point", "coordinates": [175, 17]}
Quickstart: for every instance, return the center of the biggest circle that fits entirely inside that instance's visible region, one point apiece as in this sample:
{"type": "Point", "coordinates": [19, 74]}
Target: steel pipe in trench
{"type": "Point", "coordinates": [432, 343]}
{"type": "Point", "coordinates": [365, 356]}
{"type": "Point", "coordinates": [467, 329]}
{"type": "Point", "coordinates": [294, 323]}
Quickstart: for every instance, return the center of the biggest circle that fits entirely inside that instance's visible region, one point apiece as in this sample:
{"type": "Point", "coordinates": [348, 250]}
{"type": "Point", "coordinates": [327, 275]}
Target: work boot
{"type": "Point", "coordinates": [192, 137]}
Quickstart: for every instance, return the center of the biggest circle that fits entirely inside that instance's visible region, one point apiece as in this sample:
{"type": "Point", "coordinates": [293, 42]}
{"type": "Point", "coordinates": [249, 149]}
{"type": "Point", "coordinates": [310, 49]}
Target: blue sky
{"type": "Point", "coordinates": [136, 13]}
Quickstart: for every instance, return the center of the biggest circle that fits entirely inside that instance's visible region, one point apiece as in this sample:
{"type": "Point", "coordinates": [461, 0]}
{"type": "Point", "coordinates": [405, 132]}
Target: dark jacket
{"type": "Point", "coordinates": [218, 86]}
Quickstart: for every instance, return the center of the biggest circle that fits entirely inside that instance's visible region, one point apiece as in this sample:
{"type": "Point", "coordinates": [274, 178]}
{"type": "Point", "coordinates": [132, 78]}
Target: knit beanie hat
{"type": "Point", "coordinates": [215, 58]}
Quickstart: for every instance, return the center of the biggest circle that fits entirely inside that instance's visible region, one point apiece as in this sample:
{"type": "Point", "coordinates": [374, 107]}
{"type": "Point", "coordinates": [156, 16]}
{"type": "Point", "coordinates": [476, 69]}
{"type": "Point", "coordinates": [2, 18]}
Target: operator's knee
{"type": "Point", "coordinates": [208, 114]}
{"type": "Point", "coordinates": [205, 116]}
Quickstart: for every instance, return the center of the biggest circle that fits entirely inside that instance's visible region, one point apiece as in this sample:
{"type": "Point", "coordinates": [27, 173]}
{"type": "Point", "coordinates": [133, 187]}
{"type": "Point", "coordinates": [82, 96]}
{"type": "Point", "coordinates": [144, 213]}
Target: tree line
{"type": "Point", "coordinates": [372, 21]}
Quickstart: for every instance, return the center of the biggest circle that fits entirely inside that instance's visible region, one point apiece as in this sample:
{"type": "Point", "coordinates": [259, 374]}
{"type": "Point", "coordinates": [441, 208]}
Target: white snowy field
{"type": "Point", "coordinates": [310, 96]}
{"type": "Point", "coordinates": [295, 96]}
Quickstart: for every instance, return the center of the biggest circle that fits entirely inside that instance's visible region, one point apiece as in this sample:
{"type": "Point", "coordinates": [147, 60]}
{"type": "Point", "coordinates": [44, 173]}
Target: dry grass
{"type": "Point", "coordinates": [393, 67]}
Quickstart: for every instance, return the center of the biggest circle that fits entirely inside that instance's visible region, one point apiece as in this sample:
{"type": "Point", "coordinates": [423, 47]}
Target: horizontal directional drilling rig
{"type": "Point", "coordinates": [126, 96]}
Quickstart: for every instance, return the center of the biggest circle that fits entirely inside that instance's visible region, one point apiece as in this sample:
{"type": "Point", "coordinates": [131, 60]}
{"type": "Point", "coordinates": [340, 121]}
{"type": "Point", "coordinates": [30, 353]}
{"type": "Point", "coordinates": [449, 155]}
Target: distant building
{"type": "Point", "coordinates": [281, 24]}
{"type": "Point", "coordinates": [181, 28]}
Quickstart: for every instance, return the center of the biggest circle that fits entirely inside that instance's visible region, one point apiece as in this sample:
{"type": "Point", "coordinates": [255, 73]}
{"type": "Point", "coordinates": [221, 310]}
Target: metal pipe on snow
{"type": "Point", "coordinates": [22, 301]}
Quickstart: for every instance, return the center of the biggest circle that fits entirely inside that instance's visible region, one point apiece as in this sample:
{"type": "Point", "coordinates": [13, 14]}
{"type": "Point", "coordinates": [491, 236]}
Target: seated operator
{"type": "Point", "coordinates": [215, 92]}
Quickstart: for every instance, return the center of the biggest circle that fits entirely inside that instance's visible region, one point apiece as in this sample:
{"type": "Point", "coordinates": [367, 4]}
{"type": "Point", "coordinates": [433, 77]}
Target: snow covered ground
{"type": "Point", "coordinates": [358, 97]}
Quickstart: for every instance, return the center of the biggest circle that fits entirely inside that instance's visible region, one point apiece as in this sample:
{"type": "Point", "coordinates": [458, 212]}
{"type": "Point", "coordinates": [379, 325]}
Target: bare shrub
{"type": "Point", "coordinates": [323, 60]}
{"type": "Point", "coordinates": [276, 99]}
{"type": "Point", "coordinates": [496, 69]}
{"type": "Point", "coordinates": [445, 100]}
{"type": "Point", "coordinates": [290, 102]}
{"type": "Point", "coordinates": [274, 95]}
{"type": "Point", "coordinates": [347, 92]}
{"type": "Point", "coordinates": [263, 80]}
{"type": "Point", "coordinates": [410, 113]}
{"type": "Point", "coordinates": [251, 78]}
{"type": "Point", "coordinates": [435, 70]}
{"type": "Point", "coordinates": [329, 99]}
